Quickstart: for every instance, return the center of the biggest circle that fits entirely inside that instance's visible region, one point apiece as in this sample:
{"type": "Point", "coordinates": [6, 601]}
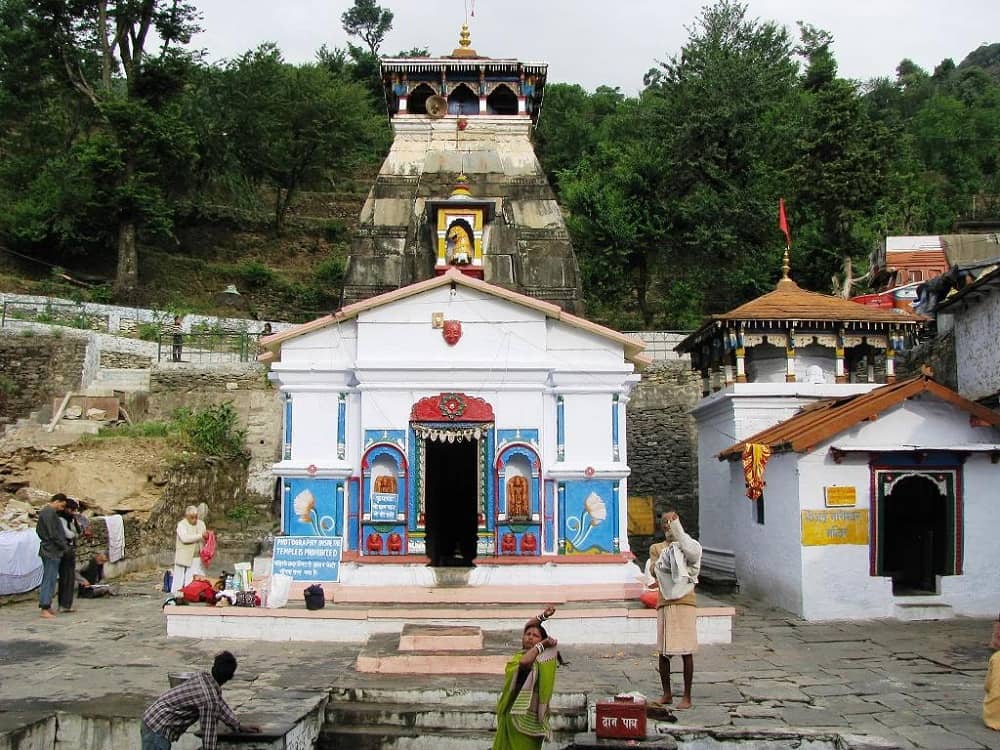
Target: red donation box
{"type": "Point", "coordinates": [621, 718]}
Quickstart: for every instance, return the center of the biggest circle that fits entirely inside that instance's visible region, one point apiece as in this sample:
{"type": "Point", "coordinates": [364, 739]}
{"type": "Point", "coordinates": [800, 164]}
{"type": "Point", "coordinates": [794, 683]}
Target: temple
{"type": "Point", "coordinates": [458, 423]}
{"type": "Point", "coordinates": [461, 186]}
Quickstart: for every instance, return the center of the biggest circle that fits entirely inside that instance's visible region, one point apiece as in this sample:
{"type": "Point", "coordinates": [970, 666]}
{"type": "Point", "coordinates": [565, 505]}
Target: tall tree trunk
{"type": "Point", "coordinates": [127, 276]}
{"type": "Point", "coordinates": [642, 289]}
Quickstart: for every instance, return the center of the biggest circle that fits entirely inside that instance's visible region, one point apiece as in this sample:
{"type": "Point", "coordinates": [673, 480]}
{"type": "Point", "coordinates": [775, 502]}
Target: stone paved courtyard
{"type": "Point", "coordinates": [916, 683]}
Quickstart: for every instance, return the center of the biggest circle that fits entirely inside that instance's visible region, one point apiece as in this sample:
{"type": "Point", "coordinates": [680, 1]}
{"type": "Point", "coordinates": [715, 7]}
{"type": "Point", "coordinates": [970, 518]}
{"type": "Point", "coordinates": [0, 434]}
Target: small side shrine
{"type": "Point", "coordinates": [792, 335]}
{"type": "Point", "coordinates": [880, 504]}
{"type": "Point", "coordinates": [457, 423]}
{"type": "Point", "coordinates": [764, 361]}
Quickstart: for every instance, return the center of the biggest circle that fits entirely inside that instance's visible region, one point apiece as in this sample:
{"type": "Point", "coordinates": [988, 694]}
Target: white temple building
{"type": "Point", "coordinates": [458, 423]}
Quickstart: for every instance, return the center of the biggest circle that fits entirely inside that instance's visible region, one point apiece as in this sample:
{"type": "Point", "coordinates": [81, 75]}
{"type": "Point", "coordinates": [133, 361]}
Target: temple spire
{"type": "Point", "coordinates": [786, 265]}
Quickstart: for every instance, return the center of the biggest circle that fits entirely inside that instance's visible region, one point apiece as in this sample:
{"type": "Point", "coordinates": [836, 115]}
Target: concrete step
{"type": "Point", "coordinates": [404, 738]}
{"type": "Point", "coordinates": [121, 379]}
{"type": "Point", "coordinates": [461, 594]}
{"type": "Point", "coordinates": [923, 610]}
{"type": "Point", "coordinates": [436, 717]}
{"type": "Point", "coordinates": [565, 701]}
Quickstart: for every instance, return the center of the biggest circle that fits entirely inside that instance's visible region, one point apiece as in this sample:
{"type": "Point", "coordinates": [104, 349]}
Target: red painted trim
{"type": "Point", "coordinates": [452, 407]}
{"type": "Point", "coordinates": [616, 558]}
{"type": "Point", "coordinates": [959, 519]}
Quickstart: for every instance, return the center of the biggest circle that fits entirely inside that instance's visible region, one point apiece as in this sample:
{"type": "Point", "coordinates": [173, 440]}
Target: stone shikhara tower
{"type": "Point", "coordinates": [461, 186]}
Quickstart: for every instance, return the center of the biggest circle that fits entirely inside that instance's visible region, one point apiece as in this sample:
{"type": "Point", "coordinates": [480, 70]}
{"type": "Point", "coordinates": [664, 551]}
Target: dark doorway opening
{"type": "Point", "coordinates": [451, 497]}
{"type": "Point", "coordinates": [916, 536]}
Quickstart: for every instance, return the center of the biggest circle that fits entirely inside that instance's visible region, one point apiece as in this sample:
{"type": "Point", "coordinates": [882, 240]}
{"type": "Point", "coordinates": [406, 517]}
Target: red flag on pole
{"type": "Point", "coordinates": [783, 222]}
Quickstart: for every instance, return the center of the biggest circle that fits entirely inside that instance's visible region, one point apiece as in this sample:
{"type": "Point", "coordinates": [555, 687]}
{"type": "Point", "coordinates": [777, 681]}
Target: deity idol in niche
{"type": "Point", "coordinates": [458, 245]}
{"type": "Point", "coordinates": [385, 484]}
{"type": "Point", "coordinates": [517, 498]}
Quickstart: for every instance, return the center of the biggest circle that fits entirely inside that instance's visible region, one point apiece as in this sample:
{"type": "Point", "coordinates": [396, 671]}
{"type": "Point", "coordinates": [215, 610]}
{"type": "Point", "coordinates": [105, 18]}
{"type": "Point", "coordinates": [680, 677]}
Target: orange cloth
{"type": "Point", "coordinates": [755, 458]}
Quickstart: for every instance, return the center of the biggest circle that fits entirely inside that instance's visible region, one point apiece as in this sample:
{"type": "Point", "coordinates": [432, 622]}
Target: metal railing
{"type": "Point", "coordinates": [211, 346]}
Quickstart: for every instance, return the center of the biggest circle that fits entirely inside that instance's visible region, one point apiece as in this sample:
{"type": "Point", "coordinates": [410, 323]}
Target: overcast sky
{"type": "Point", "coordinates": [614, 42]}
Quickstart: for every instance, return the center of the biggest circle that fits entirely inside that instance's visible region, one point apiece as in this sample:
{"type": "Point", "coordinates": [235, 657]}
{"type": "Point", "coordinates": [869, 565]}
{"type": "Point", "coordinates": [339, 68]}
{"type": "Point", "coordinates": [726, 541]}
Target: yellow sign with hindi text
{"type": "Point", "coordinates": [641, 521]}
{"type": "Point", "coordinates": [848, 526]}
{"type": "Point", "coordinates": [840, 496]}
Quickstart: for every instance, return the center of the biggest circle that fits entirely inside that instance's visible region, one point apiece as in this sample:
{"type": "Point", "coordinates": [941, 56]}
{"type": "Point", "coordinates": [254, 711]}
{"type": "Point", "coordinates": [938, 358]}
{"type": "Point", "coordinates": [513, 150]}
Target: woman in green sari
{"type": "Point", "coordinates": [522, 711]}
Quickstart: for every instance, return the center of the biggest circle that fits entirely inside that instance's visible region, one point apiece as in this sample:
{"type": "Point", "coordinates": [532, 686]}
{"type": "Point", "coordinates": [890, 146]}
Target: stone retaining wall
{"type": "Point", "coordinates": [125, 360]}
{"type": "Point", "coordinates": [663, 444]}
{"type": "Point", "coordinates": [35, 369]}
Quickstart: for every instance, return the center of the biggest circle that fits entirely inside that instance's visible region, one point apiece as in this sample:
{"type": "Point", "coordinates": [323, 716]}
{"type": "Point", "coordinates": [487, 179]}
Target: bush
{"type": "Point", "coordinates": [151, 429]}
{"type": "Point", "coordinates": [149, 331]}
{"type": "Point", "coordinates": [335, 231]}
{"type": "Point", "coordinates": [8, 386]}
{"type": "Point", "coordinates": [254, 274]}
{"type": "Point", "coordinates": [101, 294]}
{"type": "Point", "coordinates": [330, 273]}
{"type": "Point", "coordinates": [214, 431]}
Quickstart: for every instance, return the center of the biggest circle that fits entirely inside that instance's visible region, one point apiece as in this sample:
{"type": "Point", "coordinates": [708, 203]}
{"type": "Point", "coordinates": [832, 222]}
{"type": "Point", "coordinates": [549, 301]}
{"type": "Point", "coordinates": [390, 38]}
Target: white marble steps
{"type": "Point", "coordinates": [518, 595]}
{"type": "Point", "coordinates": [580, 622]}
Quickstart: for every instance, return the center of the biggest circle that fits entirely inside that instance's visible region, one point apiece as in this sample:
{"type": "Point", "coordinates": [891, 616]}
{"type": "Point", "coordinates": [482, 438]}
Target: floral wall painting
{"type": "Point", "coordinates": [589, 515]}
{"type": "Point", "coordinates": [311, 508]}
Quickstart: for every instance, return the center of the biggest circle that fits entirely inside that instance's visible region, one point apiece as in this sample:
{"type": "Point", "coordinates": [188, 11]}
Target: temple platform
{"type": "Point", "coordinates": [585, 614]}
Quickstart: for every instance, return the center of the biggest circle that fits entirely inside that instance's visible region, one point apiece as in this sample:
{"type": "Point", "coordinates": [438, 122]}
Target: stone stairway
{"type": "Point", "coordinates": [458, 717]}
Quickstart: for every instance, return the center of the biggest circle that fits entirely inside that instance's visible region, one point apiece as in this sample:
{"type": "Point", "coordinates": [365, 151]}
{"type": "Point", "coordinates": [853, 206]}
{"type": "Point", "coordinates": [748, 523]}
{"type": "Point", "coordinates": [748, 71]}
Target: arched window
{"type": "Point", "coordinates": [503, 101]}
{"type": "Point", "coordinates": [416, 103]}
{"type": "Point", "coordinates": [463, 101]}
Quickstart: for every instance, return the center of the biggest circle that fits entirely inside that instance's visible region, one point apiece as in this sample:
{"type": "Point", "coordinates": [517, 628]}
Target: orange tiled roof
{"type": "Point", "coordinates": [825, 419]}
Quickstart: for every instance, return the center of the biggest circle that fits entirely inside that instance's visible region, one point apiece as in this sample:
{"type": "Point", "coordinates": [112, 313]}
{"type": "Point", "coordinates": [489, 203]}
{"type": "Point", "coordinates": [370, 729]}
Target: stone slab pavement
{"type": "Point", "coordinates": [918, 684]}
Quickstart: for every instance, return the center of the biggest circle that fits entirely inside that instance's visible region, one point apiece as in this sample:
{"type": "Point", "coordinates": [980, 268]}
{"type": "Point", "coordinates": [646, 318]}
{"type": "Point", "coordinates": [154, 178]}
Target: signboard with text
{"type": "Point", "coordinates": [384, 506]}
{"type": "Point", "coordinates": [313, 559]}
{"type": "Point", "coordinates": [838, 496]}
{"type": "Point", "coordinates": [821, 527]}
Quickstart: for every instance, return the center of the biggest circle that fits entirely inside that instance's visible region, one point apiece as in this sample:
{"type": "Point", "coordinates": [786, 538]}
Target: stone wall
{"type": "Point", "coordinates": [938, 353]}
{"type": "Point", "coordinates": [219, 483]}
{"type": "Point", "coordinates": [125, 360]}
{"type": "Point", "coordinates": [256, 402]}
{"type": "Point", "coordinates": [663, 445]}
{"type": "Point", "coordinates": [34, 369]}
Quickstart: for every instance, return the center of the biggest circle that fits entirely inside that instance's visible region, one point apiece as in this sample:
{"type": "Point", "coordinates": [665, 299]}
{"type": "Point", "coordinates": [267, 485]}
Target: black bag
{"type": "Point", "coordinates": [315, 598]}
{"type": "Point", "coordinates": [246, 599]}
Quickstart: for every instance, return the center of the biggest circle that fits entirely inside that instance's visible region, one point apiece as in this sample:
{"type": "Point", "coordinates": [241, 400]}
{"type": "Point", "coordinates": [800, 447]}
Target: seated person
{"type": "Point", "coordinates": [89, 578]}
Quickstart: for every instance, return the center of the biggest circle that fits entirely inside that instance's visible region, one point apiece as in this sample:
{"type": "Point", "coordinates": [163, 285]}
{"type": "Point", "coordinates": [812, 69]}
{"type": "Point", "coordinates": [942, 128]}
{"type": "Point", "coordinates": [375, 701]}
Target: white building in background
{"type": "Point", "coordinates": [881, 504]}
{"type": "Point", "coordinates": [457, 420]}
{"type": "Point", "coordinates": [827, 487]}
{"type": "Point", "coordinates": [973, 313]}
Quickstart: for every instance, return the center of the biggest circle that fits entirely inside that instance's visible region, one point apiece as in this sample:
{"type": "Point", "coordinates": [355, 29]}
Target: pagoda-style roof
{"type": "Point", "coordinates": [828, 418]}
{"type": "Point", "coordinates": [789, 304]}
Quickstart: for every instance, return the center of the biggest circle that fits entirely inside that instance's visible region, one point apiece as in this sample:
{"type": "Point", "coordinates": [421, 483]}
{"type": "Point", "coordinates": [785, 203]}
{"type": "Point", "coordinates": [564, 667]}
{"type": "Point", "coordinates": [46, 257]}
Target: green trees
{"type": "Point", "coordinates": [288, 124]}
{"type": "Point", "coordinates": [111, 129]}
{"type": "Point", "coordinates": [672, 195]}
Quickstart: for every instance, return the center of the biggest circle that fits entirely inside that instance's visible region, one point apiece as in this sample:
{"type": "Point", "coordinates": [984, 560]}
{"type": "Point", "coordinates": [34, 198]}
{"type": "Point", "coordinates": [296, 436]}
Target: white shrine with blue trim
{"type": "Point", "coordinates": [458, 423]}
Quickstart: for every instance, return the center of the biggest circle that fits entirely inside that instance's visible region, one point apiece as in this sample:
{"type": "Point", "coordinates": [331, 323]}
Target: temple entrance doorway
{"type": "Point", "coordinates": [451, 496]}
{"type": "Point", "coordinates": [916, 536]}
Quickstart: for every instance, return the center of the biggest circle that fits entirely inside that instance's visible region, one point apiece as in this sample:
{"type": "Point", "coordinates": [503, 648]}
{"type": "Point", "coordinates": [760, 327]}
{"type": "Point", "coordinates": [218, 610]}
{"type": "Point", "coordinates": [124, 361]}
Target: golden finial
{"type": "Point", "coordinates": [464, 48]}
{"type": "Point", "coordinates": [786, 265]}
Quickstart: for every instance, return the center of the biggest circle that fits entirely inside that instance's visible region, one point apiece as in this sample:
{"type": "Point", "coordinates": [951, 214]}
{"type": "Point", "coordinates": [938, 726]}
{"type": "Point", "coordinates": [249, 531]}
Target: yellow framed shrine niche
{"type": "Point", "coordinates": [459, 228]}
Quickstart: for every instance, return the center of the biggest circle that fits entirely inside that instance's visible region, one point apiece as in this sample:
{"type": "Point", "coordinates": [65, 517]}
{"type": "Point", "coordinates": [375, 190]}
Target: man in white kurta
{"type": "Point", "coordinates": [675, 563]}
{"type": "Point", "coordinates": [191, 534]}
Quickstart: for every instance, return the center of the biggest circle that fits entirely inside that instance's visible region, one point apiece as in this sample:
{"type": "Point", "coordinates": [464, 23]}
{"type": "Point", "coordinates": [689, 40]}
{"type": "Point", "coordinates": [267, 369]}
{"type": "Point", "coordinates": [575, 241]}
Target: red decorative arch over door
{"type": "Point", "coordinates": [451, 407]}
